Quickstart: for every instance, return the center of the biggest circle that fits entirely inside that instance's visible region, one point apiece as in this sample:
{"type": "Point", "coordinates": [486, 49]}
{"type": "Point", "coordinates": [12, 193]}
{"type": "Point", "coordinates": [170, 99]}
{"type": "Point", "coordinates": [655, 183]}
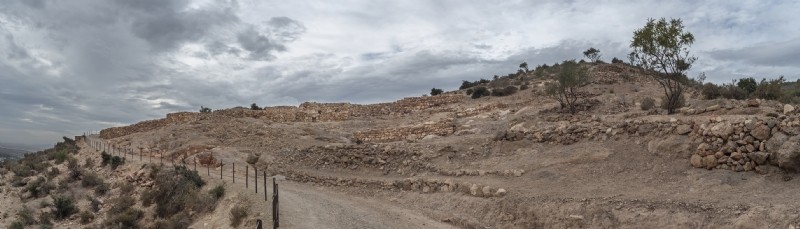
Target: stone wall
{"type": "Point", "coordinates": [441, 128]}
{"type": "Point", "coordinates": [746, 145]}
{"type": "Point", "coordinates": [306, 112]}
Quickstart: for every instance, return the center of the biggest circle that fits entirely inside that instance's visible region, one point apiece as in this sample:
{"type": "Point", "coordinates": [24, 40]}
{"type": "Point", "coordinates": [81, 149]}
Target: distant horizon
{"type": "Point", "coordinates": [67, 69]}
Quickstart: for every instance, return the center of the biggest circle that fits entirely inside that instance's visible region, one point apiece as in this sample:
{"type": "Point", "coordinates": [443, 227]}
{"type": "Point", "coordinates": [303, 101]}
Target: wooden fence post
{"type": "Point", "coordinates": [220, 170]}
{"type": "Point", "coordinates": [265, 186]}
{"type": "Point", "coordinates": [233, 172]}
{"type": "Point", "coordinates": [246, 175]}
{"type": "Point", "coordinates": [255, 178]}
{"type": "Point", "coordinates": [275, 210]}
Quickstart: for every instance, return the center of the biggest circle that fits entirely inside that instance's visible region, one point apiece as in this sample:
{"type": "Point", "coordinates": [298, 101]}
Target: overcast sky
{"type": "Point", "coordinates": [68, 66]}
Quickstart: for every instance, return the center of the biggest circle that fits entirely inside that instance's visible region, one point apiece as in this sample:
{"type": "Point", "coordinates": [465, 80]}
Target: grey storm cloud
{"type": "Point", "coordinates": [766, 54]}
{"type": "Point", "coordinates": [71, 66]}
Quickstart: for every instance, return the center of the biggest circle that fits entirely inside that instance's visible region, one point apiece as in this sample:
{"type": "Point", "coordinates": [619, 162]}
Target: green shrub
{"type": "Point", "coordinates": [120, 204]}
{"type": "Point", "coordinates": [106, 158]}
{"type": "Point", "coordinates": [747, 84]}
{"type": "Point", "coordinates": [479, 92]}
{"type": "Point", "coordinates": [176, 190]}
{"type": "Point", "coordinates": [18, 182]}
{"type": "Point", "coordinates": [238, 213]}
{"type": "Point", "coordinates": [616, 61]}
{"type": "Point", "coordinates": [45, 218]}
{"type": "Point", "coordinates": [91, 179]}
{"type": "Point", "coordinates": [469, 91]}
{"type": "Point", "coordinates": [509, 90]}
{"type": "Point", "coordinates": [125, 188]}
{"type": "Point", "coordinates": [647, 103]}
{"type": "Point", "coordinates": [436, 91]}
{"type": "Point", "coordinates": [16, 225]}
{"type": "Point", "coordinates": [116, 161]}
{"type": "Point", "coordinates": [147, 198]}
{"type": "Point", "coordinates": [711, 91]}
{"type": "Point", "coordinates": [75, 171]}
{"type": "Point", "coordinates": [65, 207]}
{"type": "Point", "coordinates": [731, 91]}
{"type": "Point", "coordinates": [101, 189]}
{"type": "Point", "coordinates": [94, 204]}
{"type": "Point", "coordinates": [769, 89]}
{"type": "Point", "coordinates": [39, 187]}
{"type": "Point", "coordinates": [680, 101]}
{"type": "Point", "coordinates": [86, 217]}
{"type": "Point", "coordinates": [218, 191]}
{"type": "Point", "coordinates": [25, 216]}
{"type": "Point", "coordinates": [89, 163]}
{"type": "Point", "coordinates": [53, 172]}
{"type": "Point", "coordinates": [129, 218]}
{"type": "Point", "coordinates": [60, 156]}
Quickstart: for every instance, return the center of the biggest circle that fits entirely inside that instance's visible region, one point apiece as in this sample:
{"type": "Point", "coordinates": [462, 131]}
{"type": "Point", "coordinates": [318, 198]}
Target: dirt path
{"type": "Point", "coordinates": [304, 206]}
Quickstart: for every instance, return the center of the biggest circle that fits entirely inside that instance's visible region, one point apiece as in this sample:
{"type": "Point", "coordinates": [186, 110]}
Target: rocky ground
{"type": "Point", "coordinates": [519, 162]}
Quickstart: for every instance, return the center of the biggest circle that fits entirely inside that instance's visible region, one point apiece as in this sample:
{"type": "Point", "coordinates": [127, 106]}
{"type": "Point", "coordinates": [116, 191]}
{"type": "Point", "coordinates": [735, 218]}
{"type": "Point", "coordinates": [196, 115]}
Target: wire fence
{"type": "Point", "coordinates": [231, 175]}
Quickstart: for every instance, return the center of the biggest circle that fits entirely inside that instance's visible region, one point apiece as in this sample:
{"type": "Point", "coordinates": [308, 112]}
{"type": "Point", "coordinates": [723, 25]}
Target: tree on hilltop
{"type": "Point", "coordinates": [565, 90]}
{"type": "Point", "coordinates": [593, 54]}
{"type": "Point", "coordinates": [663, 46]}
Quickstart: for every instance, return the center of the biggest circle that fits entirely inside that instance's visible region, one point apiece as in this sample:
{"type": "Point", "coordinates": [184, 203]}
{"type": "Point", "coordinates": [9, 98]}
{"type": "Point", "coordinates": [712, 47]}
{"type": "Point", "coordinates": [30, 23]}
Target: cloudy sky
{"type": "Point", "coordinates": [68, 66]}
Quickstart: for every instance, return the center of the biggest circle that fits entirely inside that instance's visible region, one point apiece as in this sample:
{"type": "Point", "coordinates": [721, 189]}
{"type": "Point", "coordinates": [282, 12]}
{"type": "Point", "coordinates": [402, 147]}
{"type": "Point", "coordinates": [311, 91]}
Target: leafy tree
{"type": "Point", "coordinates": [524, 65]}
{"type": "Point", "coordinates": [254, 107]}
{"type": "Point", "coordinates": [436, 91]}
{"type": "Point", "coordinates": [747, 84]}
{"type": "Point", "coordinates": [565, 90]}
{"type": "Point", "coordinates": [593, 54]}
{"type": "Point", "coordinates": [205, 109]}
{"type": "Point", "coordinates": [770, 89]}
{"type": "Point", "coordinates": [663, 46]}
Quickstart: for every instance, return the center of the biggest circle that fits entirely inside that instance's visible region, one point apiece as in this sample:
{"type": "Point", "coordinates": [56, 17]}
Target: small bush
{"type": "Point", "coordinates": [147, 198]}
{"type": "Point", "coordinates": [39, 187]}
{"type": "Point", "coordinates": [217, 192]}
{"type": "Point", "coordinates": [101, 189]}
{"type": "Point", "coordinates": [16, 225]}
{"type": "Point", "coordinates": [647, 103]}
{"type": "Point", "coordinates": [479, 92]}
{"type": "Point", "coordinates": [53, 172]}
{"type": "Point", "coordinates": [469, 91]}
{"type": "Point", "coordinates": [60, 156]}
{"type": "Point", "coordinates": [65, 207]}
{"type": "Point", "coordinates": [436, 91]}
{"type": "Point", "coordinates": [238, 213]}
{"type": "Point", "coordinates": [205, 109]}
{"type": "Point", "coordinates": [86, 217]}
{"type": "Point", "coordinates": [25, 216]}
{"type": "Point", "coordinates": [711, 91]}
{"type": "Point", "coordinates": [129, 218]}
{"type": "Point", "coordinates": [89, 163]}
{"type": "Point", "coordinates": [126, 188]}
{"type": "Point", "coordinates": [45, 218]}
{"type": "Point", "coordinates": [116, 161]}
{"type": "Point", "coordinates": [524, 87]}
{"type": "Point", "coordinates": [106, 158]}
{"type": "Point", "coordinates": [93, 203]}
{"type": "Point", "coordinates": [91, 180]}
{"type": "Point", "coordinates": [120, 204]}
{"type": "Point", "coordinates": [509, 90]}
{"type": "Point", "coordinates": [679, 102]}
{"type": "Point", "coordinates": [254, 106]}
{"type": "Point", "coordinates": [616, 61]}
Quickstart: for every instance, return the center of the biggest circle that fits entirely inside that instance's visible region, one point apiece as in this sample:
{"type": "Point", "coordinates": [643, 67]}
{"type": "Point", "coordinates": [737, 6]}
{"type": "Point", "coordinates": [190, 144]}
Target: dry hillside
{"type": "Point", "coordinates": [514, 161]}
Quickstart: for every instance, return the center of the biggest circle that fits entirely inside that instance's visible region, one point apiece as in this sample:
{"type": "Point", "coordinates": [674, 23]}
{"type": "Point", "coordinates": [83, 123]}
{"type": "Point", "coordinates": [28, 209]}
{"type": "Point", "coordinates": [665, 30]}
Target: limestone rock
{"type": "Point", "coordinates": [475, 190]}
{"type": "Point", "coordinates": [500, 192]}
{"type": "Point", "coordinates": [788, 156]}
{"type": "Point", "coordinates": [709, 162]}
{"type": "Point", "coordinates": [696, 161]}
{"type": "Point", "coordinates": [753, 103]}
{"type": "Point", "coordinates": [722, 130]}
{"type": "Point", "coordinates": [712, 108]}
{"type": "Point", "coordinates": [760, 132]}
{"type": "Point", "coordinates": [788, 109]}
{"type": "Point", "coordinates": [683, 129]}
{"type": "Point", "coordinates": [674, 145]}
{"type": "Point", "coordinates": [487, 191]}
{"type": "Point", "coordinates": [760, 158]}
